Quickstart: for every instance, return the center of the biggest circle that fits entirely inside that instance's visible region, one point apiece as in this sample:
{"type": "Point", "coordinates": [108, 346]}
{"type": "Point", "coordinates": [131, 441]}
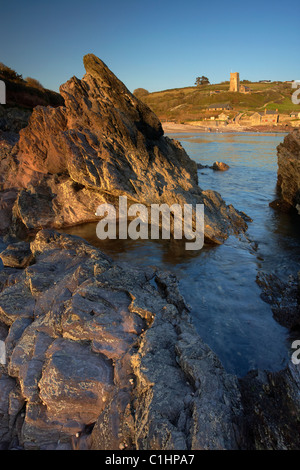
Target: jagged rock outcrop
{"type": "Point", "coordinates": [102, 144]}
{"type": "Point", "coordinates": [288, 176]}
{"type": "Point", "coordinates": [99, 358]}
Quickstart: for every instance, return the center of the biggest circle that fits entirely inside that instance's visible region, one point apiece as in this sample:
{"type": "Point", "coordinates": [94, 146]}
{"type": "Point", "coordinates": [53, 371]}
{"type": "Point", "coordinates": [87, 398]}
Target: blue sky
{"type": "Point", "coordinates": [153, 45]}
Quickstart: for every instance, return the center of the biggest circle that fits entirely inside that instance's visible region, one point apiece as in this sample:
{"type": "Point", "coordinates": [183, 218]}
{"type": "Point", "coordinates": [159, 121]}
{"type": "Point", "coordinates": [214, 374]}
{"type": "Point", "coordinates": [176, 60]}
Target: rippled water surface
{"type": "Point", "coordinates": [219, 283]}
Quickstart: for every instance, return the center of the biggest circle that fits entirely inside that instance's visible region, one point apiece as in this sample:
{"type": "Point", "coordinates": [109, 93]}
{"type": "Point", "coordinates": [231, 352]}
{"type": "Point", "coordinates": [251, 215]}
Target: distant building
{"type": "Point", "coordinates": [295, 115]}
{"type": "Point", "coordinates": [270, 117]}
{"type": "Point", "coordinates": [219, 107]}
{"type": "Point", "coordinates": [234, 82]}
{"type": "Point", "coordinates": [244, 89]}
{"type": "Point", "coordinates": [223, 117]}
{"type": "Point", "coordinates": [264, 81]}
{"type": "Point", "coordinates": [266, 117]}
{"type": "Point", "coordinates": [236, 86]}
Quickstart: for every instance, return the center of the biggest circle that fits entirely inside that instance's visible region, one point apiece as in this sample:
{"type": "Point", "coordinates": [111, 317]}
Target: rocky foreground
{"type": "Point", "coordinates": [104, 356]}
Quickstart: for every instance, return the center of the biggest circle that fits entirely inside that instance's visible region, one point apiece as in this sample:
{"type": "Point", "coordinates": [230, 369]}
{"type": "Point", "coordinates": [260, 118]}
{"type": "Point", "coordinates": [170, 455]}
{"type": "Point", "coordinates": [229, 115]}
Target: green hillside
{"type": "Point", "coordinates": [190, 103]}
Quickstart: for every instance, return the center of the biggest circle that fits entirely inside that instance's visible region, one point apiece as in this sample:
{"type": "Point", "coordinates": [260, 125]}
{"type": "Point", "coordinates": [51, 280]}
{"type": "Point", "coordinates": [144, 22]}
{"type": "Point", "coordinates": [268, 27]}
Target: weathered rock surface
{"type": "Point", "coordinates": [94, 346]}
{"type": "Point", "coordinates": [271, 405]}
{"type": "Point", "coordinates": [284, 298]}
{"type": "Point", "coordinates": [17, 255]}
{"type": "Point", "coordinates": [102, 144]}
{"type": "Point", "coordinates": [104, 356]}
{"type": "Point", "coordinates": [288, 176]}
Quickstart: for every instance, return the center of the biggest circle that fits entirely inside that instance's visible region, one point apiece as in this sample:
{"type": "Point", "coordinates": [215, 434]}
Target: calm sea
{"type": "Point", "coordinates": [219, 283]}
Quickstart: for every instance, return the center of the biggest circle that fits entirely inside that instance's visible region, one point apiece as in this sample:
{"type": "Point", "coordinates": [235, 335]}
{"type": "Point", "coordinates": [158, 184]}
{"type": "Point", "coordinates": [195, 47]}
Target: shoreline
{"type": "Point", "coordinates": [172, 127]}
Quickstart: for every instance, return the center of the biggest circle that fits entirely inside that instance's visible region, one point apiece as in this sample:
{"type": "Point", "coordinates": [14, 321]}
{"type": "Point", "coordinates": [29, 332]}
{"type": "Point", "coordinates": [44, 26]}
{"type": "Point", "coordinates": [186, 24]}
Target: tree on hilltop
{"type": "Point", "coordinates": [140, 92]}
{"type": "Point", "coordinates": [202, 81]}
{"type": "Point", "coordinates": [9, 74]}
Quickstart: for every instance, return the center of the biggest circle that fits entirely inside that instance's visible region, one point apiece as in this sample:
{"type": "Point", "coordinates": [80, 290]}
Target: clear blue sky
{"type": "Point", "coordinates": [153, 45]}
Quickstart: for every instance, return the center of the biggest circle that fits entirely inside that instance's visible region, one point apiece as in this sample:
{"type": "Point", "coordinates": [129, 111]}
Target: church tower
{"type": "Point", "coordinates": [234, 81]}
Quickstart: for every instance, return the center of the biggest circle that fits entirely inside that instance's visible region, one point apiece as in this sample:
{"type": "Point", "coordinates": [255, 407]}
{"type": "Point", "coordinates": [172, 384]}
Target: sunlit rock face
{"type": "Point", "coordinates": [102, 144]}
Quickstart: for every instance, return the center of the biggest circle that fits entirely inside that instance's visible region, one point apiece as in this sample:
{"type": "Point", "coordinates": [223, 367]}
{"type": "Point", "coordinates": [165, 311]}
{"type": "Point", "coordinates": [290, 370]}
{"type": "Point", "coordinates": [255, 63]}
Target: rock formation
{"type": "Point", "coordinates": [271, 402]}
{"type": "Point", "coordinates": [217, 166]}
{"type": "Point", "coordinates": [288, 177]}
{"type": "Point", "coordinates": [103, 143]}
{"type": "Point", "coordinates": [93, 346]}
{"type": "Point", "coordinates": [220, 166]}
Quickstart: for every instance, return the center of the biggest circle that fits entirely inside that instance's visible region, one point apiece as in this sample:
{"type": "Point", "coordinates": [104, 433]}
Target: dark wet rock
{"type": "Point", "coordinates": [13, 119]}
{"type": "Point", "coordinates": [284, 298]}
{"type": "Point", "coordinates": [220, 166]}
{"type": "Point", "coordinates": [271, 405]}
{"type": "Point", "coordinates": [217, 166]}
{"type": "Point", "coordinates": [102, 144]}
{"type": "Point", "coordinates": [200, 166]}
{"type": "Point", "coordinates": [282, 206]}
{"type": "Point", "coordinates": [288, 176]}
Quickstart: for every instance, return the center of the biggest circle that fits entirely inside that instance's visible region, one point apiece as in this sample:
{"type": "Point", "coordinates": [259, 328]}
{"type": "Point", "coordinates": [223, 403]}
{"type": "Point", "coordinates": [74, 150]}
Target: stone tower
{"type": "Point", "coordinates": [234, 81]}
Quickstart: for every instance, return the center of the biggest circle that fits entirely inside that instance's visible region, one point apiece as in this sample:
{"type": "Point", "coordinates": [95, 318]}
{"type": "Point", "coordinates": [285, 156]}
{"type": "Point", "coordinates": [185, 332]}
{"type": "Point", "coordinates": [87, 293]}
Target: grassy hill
{"type": "Point", "coordinates": [26, 93]}
{"type": "Point", "coordinates": [190, 103]}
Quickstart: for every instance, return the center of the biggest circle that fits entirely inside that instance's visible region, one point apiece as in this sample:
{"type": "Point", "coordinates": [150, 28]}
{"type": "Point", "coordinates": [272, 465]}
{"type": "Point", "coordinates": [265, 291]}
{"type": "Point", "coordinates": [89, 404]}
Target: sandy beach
{"type": "Point", "coordinates": [177, 127]}
{"type": "Point", "coordinates": [173, 127]}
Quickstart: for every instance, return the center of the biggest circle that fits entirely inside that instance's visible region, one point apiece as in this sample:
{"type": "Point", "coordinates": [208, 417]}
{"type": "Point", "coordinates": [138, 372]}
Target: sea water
{"type": "Point", "coordinates": [219, 282]}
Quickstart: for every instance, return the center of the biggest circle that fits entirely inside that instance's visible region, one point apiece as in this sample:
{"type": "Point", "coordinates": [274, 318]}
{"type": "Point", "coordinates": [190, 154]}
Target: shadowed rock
{"type": "Point", "coordinates": [220, 166]}
{"type": "Point", "coordinates": [288, 175]}
{"type": "Point", "coordinates": [271, 402]}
